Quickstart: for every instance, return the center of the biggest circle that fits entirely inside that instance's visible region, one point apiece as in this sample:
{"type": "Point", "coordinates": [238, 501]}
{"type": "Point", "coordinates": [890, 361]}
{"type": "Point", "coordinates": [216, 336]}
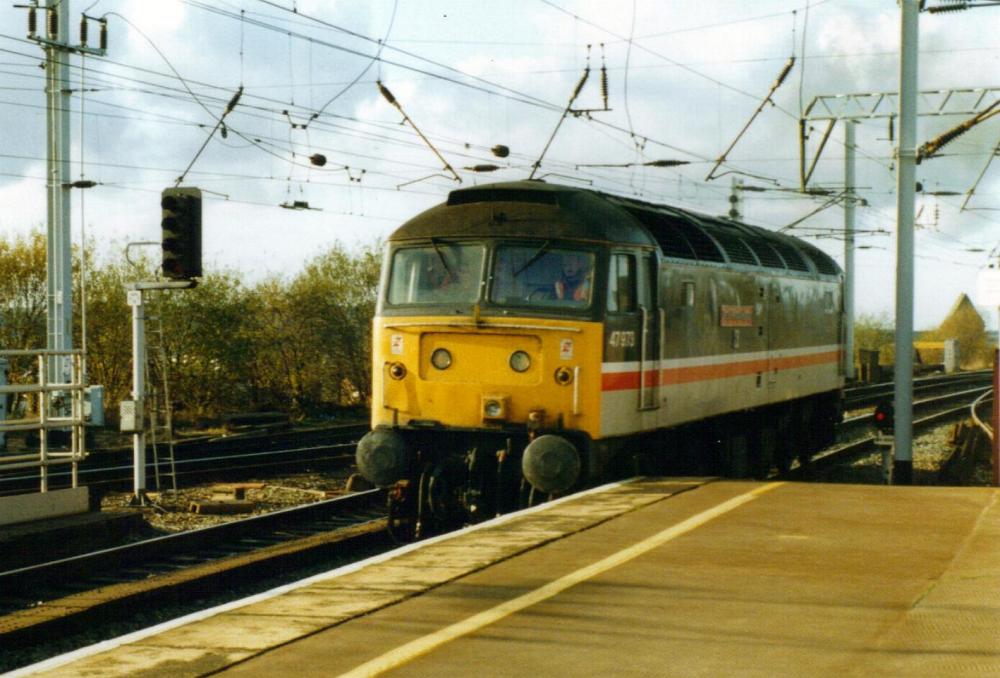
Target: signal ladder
{"type": "Point", "coordinates": [159, 409]}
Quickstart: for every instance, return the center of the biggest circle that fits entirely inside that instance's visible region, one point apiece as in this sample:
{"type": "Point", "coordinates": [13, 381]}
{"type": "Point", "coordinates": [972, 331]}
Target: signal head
{"type": "Point", "coordinates": [181, 232]}
{"type": "Point", "coordinates": [885, 416]}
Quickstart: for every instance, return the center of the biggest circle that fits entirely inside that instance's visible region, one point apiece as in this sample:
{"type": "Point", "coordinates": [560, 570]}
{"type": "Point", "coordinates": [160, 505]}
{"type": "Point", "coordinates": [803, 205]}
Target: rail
{"type": "Point", "coordinates": [48, 417]}
{"type": "Point", "coordinates": [987, 429]}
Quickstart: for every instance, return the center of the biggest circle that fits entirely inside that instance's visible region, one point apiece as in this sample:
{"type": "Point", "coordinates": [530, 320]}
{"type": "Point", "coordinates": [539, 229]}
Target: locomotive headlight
{"type": "Point", "coordinates": [494, 407]}
{"type": "Point", "coordinates": [397, 370]}
{"type": "Point", "coordinates": [520, 361]}
{"type": "Point", "coordinates": [441, 358]}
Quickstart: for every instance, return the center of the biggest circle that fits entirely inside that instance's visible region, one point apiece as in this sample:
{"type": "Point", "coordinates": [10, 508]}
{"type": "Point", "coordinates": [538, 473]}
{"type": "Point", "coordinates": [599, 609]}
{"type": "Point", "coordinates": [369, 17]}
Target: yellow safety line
{"type": "Point", "coordinates": [421, 646]}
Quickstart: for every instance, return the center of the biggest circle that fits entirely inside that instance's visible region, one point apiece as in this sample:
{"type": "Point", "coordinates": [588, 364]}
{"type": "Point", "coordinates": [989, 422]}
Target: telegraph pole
{"type": "Point", "coordinates": [906, 157]}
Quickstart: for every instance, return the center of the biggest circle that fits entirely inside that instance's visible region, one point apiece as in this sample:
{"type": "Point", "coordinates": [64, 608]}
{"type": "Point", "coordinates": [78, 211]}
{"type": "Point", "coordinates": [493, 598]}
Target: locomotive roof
{"type": "Point", "coordinates": [552, 211]}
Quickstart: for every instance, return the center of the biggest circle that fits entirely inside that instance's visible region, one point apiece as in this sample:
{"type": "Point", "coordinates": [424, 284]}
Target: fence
{"type": "Point", "coordinates": [51, 415]}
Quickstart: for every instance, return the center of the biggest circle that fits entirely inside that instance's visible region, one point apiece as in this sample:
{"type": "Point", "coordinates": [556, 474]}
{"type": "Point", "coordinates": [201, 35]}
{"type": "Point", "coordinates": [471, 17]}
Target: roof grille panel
{"type": "Point", "coordinates": [670, 239]}
{"type": "Point", "coordinates": [735, 248]}
{"type": "Point", "coordinates": [824, 264]}
{"type": "Point", "coordinates": [793, 259]}
{"type": "Point", "coordinates": [767, 255]}
{"type": "Point", "coordinates": [472, 195]}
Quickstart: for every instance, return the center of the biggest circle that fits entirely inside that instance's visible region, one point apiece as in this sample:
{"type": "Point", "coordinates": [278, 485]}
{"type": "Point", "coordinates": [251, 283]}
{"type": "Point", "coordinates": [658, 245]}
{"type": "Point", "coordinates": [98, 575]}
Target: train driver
{"type": "Point", "coordinates": [574, 282]}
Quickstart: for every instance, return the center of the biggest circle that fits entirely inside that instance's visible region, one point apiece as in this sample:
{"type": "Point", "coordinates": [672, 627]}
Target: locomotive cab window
{"type": "Point", "coordinates": [542, 275]}
{"type": "Point", "coordinates": [436, 274]}
{"type": "Point", "coordinates": [621, 284]}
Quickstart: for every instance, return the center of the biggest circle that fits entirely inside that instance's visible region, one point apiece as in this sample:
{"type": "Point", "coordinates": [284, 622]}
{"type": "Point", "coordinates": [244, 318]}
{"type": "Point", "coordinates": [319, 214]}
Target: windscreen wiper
{"type": "Point", "coordinates": [534, 257]}
{"type": "Point", "coordinates": [440, 254]}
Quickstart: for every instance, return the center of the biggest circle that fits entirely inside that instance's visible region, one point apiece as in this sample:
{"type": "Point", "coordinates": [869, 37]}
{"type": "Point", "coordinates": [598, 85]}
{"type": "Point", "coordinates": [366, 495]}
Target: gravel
{"type": "Point", "coordinates": [931, 450]}
{"type": "Point", "coordinates": [171, 512]}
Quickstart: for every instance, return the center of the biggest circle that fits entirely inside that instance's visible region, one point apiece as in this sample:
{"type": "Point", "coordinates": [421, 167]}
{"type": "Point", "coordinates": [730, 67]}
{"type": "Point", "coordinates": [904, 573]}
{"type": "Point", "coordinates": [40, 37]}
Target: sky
{"type": "Point", "coordinates": [683, 79]}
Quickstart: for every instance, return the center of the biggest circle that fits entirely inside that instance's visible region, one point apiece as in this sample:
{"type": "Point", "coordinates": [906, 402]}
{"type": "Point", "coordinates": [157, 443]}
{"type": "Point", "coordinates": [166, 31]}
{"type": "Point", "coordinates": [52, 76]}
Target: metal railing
{"type": "Point", "coordinates": [48, 417]}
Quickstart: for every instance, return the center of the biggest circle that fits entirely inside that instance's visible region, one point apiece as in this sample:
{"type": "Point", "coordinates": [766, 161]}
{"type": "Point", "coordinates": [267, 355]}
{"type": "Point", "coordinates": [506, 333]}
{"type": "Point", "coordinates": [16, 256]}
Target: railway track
{"type": "Point", "coordinates": [927, 412]}
{"type": "Point", "coordinates": [210, 458]}
{"type": "Point", "coordinates": [73, 594]}
{"type": "Point", "coordinates": [860, 397]}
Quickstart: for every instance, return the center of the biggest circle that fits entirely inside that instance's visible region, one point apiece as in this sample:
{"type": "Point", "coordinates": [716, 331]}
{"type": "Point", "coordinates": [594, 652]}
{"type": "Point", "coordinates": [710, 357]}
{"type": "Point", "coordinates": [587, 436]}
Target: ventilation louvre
{"type": "Point", "coordinates": [473, 195]}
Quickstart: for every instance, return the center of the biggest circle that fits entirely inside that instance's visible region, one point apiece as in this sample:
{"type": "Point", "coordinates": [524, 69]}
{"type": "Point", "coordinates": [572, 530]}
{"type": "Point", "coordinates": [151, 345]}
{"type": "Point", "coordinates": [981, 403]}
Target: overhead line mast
{"type": "Point", "coordinates": [59, 265]}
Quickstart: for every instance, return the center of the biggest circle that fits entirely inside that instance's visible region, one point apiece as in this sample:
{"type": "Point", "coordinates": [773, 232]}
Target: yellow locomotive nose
{"type": "Point", "coordinates": [502, 360]}
{"type": "Point", "coordinates": [487, 374]}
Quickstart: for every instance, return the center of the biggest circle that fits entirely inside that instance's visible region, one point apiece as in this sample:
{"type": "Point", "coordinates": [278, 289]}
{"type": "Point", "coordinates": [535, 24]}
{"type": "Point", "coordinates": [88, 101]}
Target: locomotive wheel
{"type": "Point", "coordinates": [401, 508]}
{"type": "Point", "coordinates": [762, 450]}
{"type": "Point", "coordinates": [784, 444]}
{"type": "Point", "coordinates": [806, 438]}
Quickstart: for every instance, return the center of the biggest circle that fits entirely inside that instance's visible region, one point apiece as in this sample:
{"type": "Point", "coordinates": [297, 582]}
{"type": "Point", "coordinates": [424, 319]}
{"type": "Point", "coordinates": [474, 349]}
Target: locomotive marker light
{"type": "Point", "coordinates": [551, 464]}
{"type": "Point", "coordinates": [494, 407]}
{"type": "Point", "coordinates": [382, 457]}
{"type": "Point", "coordinates": [564, 376]}
{"type": "Point", "coordinates": [181, 232]}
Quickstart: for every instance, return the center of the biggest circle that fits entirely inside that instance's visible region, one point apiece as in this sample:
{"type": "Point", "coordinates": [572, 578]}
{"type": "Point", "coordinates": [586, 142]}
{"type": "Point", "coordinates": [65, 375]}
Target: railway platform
{"type": "Point", "coordinates": [650, 577]}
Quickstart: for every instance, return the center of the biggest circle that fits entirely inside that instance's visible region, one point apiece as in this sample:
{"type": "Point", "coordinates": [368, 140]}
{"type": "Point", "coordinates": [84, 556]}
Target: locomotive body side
{"type": "Point", "coordinates": [719, 341]}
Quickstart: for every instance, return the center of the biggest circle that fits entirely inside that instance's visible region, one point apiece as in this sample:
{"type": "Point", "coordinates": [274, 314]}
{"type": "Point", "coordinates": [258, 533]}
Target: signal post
{"type": "Point", "coordinates": [181, 264]}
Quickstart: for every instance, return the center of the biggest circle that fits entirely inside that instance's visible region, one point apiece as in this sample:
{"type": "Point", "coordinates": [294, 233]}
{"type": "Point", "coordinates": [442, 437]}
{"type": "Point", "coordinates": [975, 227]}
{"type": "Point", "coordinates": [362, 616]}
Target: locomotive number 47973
{"type": "Point", "coordinates": [622, 339]}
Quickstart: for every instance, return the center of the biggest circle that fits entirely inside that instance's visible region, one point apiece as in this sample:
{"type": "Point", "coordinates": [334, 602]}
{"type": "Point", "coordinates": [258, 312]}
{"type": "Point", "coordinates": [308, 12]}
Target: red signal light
{"type": "Point", "coordinates": [885, 416]}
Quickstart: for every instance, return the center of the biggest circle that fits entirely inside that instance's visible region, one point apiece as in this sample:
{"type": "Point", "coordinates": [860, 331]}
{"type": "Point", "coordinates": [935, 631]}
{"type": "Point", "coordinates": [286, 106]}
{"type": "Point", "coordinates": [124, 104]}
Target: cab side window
{"type": "Point", "coordinates": [621, 283]}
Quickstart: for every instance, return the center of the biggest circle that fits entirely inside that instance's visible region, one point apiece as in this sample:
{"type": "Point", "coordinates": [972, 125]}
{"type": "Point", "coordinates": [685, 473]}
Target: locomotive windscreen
{"type": "Point", "coordinates": [436, 274]}
{"type": "Point", "coordinates": [540, 275]}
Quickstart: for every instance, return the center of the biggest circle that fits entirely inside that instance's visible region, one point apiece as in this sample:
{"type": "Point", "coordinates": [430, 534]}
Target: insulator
{"type": "Point", "coordinates": [317, 159]}
{"type": "Point", "coordinates": [483, 168]}
{"type": "Point", "coordinates": [500, 151]}
{"type": "Point", "coordinates": [583, 81]}
{"type": "Point", "coordinates": [52, 17]}
{"type": "Point", "coordinates": [892, 128]}
{"type": "Point", "coordinates": [386, 93]}
{"type": "Point", "coordinates": [953, 7]}
{"type": "Point", "coordinates": [83, 31]}
{"type": "Point", "coordinates": [104, 34]}
{"type": "Point", "coordinates": [935, 145]}
{"type": "Point", "coordinates": [604, 84]}
{"type": "Point", "coordinates": [666, 163]}
{"type": "Point", "coordinates": [32, 21]}
{"type": "Point", "coordinates": [784, 72]}
{"type": "Point", "coordinates": [232, 102]}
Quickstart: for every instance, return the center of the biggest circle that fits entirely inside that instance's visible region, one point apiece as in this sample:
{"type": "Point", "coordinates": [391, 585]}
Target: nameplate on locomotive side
{"type": "Point", "coordinates": [736, 316]}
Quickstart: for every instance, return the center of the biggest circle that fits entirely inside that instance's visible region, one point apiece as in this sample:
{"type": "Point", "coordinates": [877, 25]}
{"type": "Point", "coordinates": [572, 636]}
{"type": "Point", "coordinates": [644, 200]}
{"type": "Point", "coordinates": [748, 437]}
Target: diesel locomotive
{"type": "Point", "coordinates": [533, 338]}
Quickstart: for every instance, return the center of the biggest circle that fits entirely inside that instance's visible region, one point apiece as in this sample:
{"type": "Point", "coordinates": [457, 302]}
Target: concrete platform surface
{"type": "Point", "coordinates": [651, 578]}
